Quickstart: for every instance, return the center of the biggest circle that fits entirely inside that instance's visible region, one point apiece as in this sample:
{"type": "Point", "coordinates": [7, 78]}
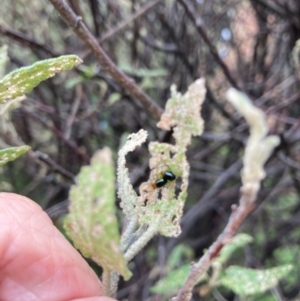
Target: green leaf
{"type": "Point", "coordinates": [23, 80]}
{"type": "Point", "coordinates": [72, 82]}
{"type": "Point", "coordinates": [92, 223]}
{"type": "Point", "coordinates": [114, 97]}
{"type": "Point", "coordinates": [247, 282]}
{"type": "Point", "coordinates": [287, 255]}
{"type": "Point", "coordinates": [173, 281]}
{"type": "Point", "coordinates": [164, 206]}
{"type": "Point", "coordinates": [125, 190]}
{"type": "Point", "coordinates": [12, 153]}
{"type": "Point", "coordinates": [182, 111]}
{"type": "Point", "coordinates": [237, 242]}
{"type": "Point", "coordinates": [177, 255]}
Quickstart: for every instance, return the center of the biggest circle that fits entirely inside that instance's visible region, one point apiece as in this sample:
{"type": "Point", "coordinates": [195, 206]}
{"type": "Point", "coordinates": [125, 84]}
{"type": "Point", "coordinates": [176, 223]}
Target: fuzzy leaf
{"type": "Point", "coordinates": [237, 242]}
{"type": "Point", "coordinates": [247, 282]}
{"type": "Point", "coordinates": [176, 256]}
{"type": "Point", "coordinates": [23, 80]}
{"type": "Point", "coordinates": [259, 147]}
{"type": "Point", "coordinates": [164, 206]}
{"type": "Point", "coordinates": [164, 213]}
{"type": "Point", "coordinates": [173, 281]}
{"type": "Point", "coordinates": [91, 223]}
{"type": "Point", "coordinates": [183, 112]}
{"type": "Point", "coordinates": [12, 153]}
{"type": "Point", "coordinates": [125, 190]}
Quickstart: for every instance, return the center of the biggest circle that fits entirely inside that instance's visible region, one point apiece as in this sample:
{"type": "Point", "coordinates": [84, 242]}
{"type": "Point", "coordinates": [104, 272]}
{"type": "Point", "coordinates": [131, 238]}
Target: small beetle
{"type": "Point", "coordinates": [166, 177]}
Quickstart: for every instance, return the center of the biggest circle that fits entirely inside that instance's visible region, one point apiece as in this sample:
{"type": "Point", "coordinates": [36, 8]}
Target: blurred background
{"type": "Point", "coordinates": [250, 45]}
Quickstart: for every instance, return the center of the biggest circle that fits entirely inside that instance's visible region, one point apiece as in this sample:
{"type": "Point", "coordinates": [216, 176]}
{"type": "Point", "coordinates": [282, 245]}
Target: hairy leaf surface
{"type": "Point", "coordinates": [92, 223]}
{"type": "Point", "coordinates": [237, 242]}
{"type": "Point", "coordinates": [247, 282]}
{"type": "Point", "coordinates": [12, 153]}
{"type": "Point", "coordinates": [23, 80]}
{"type": "Point", "coordinates": [164, 206]}
{"type": "Point", "coordinates": [173, 281]}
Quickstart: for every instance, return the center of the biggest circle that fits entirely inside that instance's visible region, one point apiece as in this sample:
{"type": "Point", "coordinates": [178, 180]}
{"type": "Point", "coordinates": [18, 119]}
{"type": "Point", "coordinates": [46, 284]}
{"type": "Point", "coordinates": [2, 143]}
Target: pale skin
{"type": "Point", "coordinates": [37, 263]}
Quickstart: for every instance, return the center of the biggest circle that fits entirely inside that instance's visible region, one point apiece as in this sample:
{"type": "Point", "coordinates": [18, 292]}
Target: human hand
{"type": "Point", "coordinates": [37, 263]}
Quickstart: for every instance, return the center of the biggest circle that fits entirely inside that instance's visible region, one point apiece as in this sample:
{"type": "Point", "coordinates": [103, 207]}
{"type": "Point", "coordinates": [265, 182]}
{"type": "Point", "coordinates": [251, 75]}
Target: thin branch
{"type": "Point", "coordinates": [252, 174]}
{"type": "Point", "coordinates": [21, 38]}
{"type": "Point", "coordinates": [96, 15]}
{"type": "Point", "coordinates": [168, 48]}
{"type": "Point", "coordinates": [181, 53]}
{"type": "Point", "coordinates": [282, 86]}
{"type": "Point", "coordinates": [272, 8]}
{"type": "Point", "coordinates": [54, 166]}
{"type": "Point", "coordinates": [108, 65]}
{"type": "Point", "coordinates": [122, 25]}
{"type": "Point", "coordinates": [205, 203]}
{"type": "Point", "coordinates": [58, 210]}
{"type": "Point", "coordinates": [59, 135]}
{"type": "Point", "coordinates": [75, 106]}
{"type": "Point", "coordinates": [221, 108]}
{"type": "Point", "coordinates": [198, 24]}
{"type": "Point", "coordinates": [236, 219]}
{"type": "Point", "coordinates": [283, 104]}
{"type": "Point", "coordinates": [141, 242]}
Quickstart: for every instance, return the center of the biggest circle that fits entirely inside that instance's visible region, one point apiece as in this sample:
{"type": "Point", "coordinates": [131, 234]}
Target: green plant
{"type": "Point", "coordinates": [155, 210]}
{"type": "Point", "coordinates": [158, 210]}
{"type": "Point", "coordinates": [92, 224]}
{"type": "Point", "coordinates": [67, 119]}
{"type": "Point", "coordinates": [14, 85]}
{"type": "Point", "coordinates": [243, 281]}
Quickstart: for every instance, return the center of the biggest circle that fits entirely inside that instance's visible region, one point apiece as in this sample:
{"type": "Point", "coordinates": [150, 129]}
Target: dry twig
{"type": "Point", "coordinates": [108, 65]}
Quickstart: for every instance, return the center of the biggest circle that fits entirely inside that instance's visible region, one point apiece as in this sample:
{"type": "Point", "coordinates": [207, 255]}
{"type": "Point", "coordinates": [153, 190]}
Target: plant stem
{"type": "Point", "coordinates": [126, 236]}
{"type": "Point", "coordinates": [212, 48]}
{"type": "Point", "coordinates": [108, 65]}
{"type": "Point", "coordinates": [114, 279]}
{"type": "Point", "coordinates": [106, 283]}
{"type": "Point", "coordinates": [236, 219]}
{"type": "Point", "coordinates": [142, 241]}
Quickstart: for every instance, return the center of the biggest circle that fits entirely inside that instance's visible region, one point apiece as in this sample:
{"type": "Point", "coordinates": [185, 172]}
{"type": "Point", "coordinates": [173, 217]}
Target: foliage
{"type": "Point", "coordinates": [125, 191]}
{"type": "Point", "coordinates": [92, 223]}
{"type": "Point", "coordinates": [181, 114]}
{"type": "Point", "coordinates": [259, 146]}
{"type": "Point", "coordinates": [243, 281]}
{"type": "Point", "coordinates": [237, 242]}
{"type": "Point", "coordinates": [12, 153]}
{"type": "Point", "coordinates": [23, 80]}
{"type": "Point", "coordinates": [69, 117]}
{"type": "Point", "coordinates": [246, 282]}
{"type": "Point", "coordinates": [173, 281]}
{"type": "Point", "coordinates": [176, 277]}
{"type": "Point", "coordinates": [177, 255]}
{"type": "Point", "coordinates": [176, 271]}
